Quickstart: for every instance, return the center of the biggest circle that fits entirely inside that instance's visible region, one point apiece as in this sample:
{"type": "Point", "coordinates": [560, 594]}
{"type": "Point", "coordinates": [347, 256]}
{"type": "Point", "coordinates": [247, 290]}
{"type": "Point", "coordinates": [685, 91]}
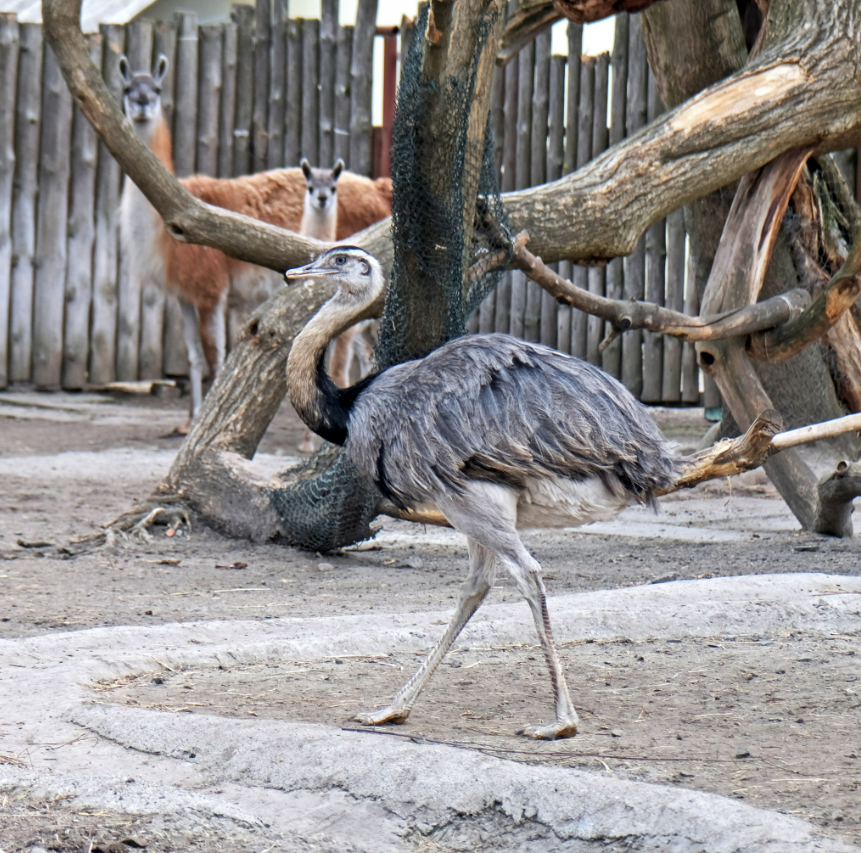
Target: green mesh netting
{"type": "Point", "coordinates": [436, 282]}
{"type": "Point", "coordinates": [447, 257]}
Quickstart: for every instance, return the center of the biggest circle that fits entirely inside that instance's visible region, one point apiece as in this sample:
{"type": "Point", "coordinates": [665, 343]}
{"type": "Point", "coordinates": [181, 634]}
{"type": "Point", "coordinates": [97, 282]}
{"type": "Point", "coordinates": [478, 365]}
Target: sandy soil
{"type": "Point", "coordinates": [772, 718]}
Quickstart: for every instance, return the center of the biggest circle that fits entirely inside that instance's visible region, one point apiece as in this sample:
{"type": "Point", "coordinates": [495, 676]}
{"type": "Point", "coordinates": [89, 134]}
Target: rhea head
{"type": "Point", "coordinates": [356, 273]}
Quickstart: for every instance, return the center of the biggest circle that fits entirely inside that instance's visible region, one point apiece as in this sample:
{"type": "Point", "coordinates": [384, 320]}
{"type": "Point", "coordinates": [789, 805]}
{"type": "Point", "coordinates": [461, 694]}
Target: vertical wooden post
{"type": "Point", "coordinates": [51, 233]}
{"type": "Point", "coordinates": [585, 119]}
{"type": "Point", "coordinates": [103, 323]}
{"type": "Point", "coordinates": [243, 17]}
{"type": "Point", "coordinates": [209, 98]}
{"type": "Point", "coordinates": [390, 91]}
{"type": "Point", "coordinates": [139, 39]}
{"type": "Point", "coordinates": [278, 64]}
{"type": "Point", "coordinates": [596, 275]}
{"type": "Point", "coordinates": [164, 43]}
{"type": "Point", "coordinates": [342, 95]}
{"type": "Point", "coordinates": [635, 265]}
{"type": "Point", "coordinates": [185, 120]}
{"type": "Point", "coordinates": [8, 86]}
{"type": "Point", "coordinates": [174, 357]}
{"type": "Point", "coordinates": [564, 313]}
{"type": "Point", "coordinates": [310, 92]}
{"type": "Point", "coordinates": [28, 113]}
{"type": "Point", "coordinates": [656, 257]}
{"type": "Point", "coordinates": [523, 163]}
{"type": "Point", "coordinates": [538, 167]}
{"type": "Point", "coordinates": [82, 233]}
{"type": "Point", "coordinates": [575, 53]}
{"type": "Point", "coordinates": [555, 161]}
{"type": "Point", "coordinates": [509, 174]}
{"type": "Point", "coordinates": [671, 384]}
{"type": "Point", "coordinates": [611, 360]}
{"type": "Point", "coordinates": [361, 79]}
{"type": "Point", "coordinates": [260, 118]}
{"type": "Point", "coordinates": [328, 59]}
{"type": "Point", "coordinates": [227, 109]}
{"type": "Point", "coordinates": [293, 94]}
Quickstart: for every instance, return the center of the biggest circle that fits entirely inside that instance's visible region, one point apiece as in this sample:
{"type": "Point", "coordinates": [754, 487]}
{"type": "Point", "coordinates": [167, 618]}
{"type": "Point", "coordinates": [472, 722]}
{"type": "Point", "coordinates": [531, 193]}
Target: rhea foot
{"type": "Point", "coordinates": [389, 714]}
{"type": "Point", "coordinates": [553, 731]}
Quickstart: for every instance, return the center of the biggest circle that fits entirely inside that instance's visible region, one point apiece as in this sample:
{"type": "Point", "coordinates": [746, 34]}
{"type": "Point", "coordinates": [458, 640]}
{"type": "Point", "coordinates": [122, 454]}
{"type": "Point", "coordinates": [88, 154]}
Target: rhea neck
{"type": "Point", "coordinates": [318, 401]}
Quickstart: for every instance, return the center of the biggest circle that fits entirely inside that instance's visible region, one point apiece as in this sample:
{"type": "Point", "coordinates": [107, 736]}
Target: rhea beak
{"type": "Point", "coordinates": [301, 273]}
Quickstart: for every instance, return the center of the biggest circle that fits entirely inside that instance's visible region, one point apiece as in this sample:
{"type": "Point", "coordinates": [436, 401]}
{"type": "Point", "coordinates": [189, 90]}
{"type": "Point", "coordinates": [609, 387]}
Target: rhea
{"type": "Point", "coordinates": [496, 433]}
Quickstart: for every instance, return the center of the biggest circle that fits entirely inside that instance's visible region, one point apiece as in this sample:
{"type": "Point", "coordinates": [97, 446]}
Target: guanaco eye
{"type": "Point", "coordinates": [158, 91]}
{"type": "Point", "coordinates": [127, 91]}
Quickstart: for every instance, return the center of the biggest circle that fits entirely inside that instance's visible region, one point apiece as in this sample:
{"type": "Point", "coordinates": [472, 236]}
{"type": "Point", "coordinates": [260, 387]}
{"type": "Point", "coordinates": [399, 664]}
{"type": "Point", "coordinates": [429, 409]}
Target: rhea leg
{"type": "Point", "coordinates": [488, 514]}
{"type": "Point", "coordinates": [527, 575]}
{"type": "Point", "coordinates": [482, 569]}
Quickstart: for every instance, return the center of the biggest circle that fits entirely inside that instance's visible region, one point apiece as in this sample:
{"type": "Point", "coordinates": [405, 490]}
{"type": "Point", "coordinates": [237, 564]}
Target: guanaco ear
{"type": "Point", "coordinates": [306, 167]}
{"type": "Point", "coordinates": [337, 169]}
{"type": "Point", "coordinates": [123, 67]}
{"type": "Point", "coordinates": [159, 69]}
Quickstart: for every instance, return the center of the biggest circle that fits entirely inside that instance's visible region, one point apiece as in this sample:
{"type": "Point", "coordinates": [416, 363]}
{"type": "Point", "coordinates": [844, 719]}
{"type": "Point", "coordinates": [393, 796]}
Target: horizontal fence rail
{"type": "Point", "coordinates": [261, 91]}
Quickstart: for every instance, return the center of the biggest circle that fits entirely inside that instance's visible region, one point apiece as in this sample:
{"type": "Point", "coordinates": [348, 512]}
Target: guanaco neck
{"type": "Point", "coordinates": [156, 134]}
{"type": "Point", "coordinates": [317, 223]}
{"type": "Point", "coordinates": [318, 401]}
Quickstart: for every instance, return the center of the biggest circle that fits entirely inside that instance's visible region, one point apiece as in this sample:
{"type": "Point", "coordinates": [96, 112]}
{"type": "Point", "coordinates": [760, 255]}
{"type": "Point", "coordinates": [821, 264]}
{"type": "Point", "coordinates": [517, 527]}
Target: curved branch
{"type": "Point", "coordinates": [838, 296]}
{"type": "Point", "coordinates": [627, 314]}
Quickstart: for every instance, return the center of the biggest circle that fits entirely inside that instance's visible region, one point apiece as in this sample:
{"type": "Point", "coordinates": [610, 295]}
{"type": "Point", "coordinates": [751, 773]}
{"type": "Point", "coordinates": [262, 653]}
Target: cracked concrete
{"type": "Point", "coordinates": [301, 783]}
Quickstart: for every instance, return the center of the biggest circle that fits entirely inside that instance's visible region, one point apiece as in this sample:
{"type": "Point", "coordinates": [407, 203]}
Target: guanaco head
{"type": "Point", "coordinates": [321, 184]}
{"type": "Point", "coordinates": [142, 90]}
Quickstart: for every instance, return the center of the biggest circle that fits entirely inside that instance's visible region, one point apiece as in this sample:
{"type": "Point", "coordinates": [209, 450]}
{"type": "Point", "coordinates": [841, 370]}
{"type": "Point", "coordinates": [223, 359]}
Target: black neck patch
{"type": "Point", "coordinates": [335, 404]}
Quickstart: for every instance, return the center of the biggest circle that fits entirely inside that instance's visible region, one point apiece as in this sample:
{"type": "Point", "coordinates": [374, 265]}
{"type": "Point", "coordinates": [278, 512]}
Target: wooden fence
{"type": "Point", "coordinates": [259, 92]}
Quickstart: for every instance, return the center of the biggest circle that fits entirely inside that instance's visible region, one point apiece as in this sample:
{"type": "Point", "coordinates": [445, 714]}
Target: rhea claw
{"type": "Point", "coordinates": [389, 714]}
{"type": "Point", "coordinates": [554, 731]}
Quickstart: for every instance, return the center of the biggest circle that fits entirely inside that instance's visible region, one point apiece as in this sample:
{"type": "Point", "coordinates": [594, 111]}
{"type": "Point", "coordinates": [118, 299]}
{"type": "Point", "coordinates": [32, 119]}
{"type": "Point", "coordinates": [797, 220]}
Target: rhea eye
{"type": "Point", "coordinates": [340, 260]}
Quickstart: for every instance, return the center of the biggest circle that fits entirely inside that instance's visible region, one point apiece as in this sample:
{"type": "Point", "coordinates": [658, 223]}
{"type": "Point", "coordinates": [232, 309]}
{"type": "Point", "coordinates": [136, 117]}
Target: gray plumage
{"type": "Point", "coordinates": [496, 408]}
{"type": "Point", "coordinates": [493, 432]}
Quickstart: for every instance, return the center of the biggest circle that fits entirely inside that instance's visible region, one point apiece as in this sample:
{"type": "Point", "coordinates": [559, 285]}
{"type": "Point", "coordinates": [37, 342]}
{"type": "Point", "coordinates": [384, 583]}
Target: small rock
{"type": "Point", "coordinates": [412, 563]}
{"type": "Point", "coordinates": [672, 576]}
{"type": "Point", "coordinates": [616, 732]}
{"type": "Point", "coordinates": [743, 753]}
{"type": "Point", "coordinates": [325, 567]}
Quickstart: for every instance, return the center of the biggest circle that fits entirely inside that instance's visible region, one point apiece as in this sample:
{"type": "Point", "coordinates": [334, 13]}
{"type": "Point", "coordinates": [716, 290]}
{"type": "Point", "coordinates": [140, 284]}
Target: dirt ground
{"type": "Point", "coordinates": [772, 718]}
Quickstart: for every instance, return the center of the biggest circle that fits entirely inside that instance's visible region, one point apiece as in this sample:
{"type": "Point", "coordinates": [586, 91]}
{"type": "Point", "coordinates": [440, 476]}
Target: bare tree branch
{"type": "Point", "coordinates": [627, 314]}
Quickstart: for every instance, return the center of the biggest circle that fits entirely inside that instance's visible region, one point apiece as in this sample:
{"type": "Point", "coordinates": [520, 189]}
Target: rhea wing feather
{"type": "Point", "coordinates": [496, 408]}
